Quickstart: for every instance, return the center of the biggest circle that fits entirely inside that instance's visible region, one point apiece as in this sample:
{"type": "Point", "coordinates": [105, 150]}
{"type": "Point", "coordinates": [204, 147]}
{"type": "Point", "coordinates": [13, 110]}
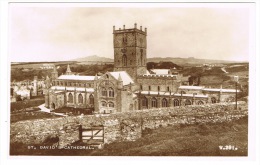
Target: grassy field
{"type": "Point", "coordinates": [74, 111]}
{"type": "Point", "coordinates": [28, 110]}
{"type": "Point", "coordinates": [22, 105]}
{"type": "Point", "coordinates": [179, 140]}
{"type": "Point", "coordinates": [31, 115]}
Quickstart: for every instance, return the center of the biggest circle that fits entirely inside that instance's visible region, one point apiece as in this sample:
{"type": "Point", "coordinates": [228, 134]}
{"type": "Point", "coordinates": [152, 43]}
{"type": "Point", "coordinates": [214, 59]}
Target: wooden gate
{"type": "Point", "coordinates": [91, 135]}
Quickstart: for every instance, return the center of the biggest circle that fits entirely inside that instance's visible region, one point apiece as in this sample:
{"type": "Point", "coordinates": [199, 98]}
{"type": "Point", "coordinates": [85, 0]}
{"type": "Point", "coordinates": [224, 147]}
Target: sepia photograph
{"type": "Point", "coordinates": [131, 79]}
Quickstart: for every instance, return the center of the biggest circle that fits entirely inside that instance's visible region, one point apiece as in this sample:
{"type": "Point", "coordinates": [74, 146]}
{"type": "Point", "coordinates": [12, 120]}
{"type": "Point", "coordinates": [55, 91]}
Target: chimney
{"type": "Point", "coordinates": [135, 25]}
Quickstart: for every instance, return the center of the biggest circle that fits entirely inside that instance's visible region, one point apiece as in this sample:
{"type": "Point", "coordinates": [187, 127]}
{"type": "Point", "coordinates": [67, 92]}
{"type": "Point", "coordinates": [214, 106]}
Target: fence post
{"type": "Point", "coordinates": [80, 133]}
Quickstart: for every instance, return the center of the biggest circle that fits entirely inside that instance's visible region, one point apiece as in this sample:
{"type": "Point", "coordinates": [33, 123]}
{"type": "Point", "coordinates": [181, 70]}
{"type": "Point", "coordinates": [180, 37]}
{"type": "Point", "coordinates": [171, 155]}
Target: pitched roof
{"type": "Point", "coordinates": [76, 77]}
{"type": "Point", "coordinates": [81, 89]}
{"type": "Point", "coordinates": [161, 71]}
{"type": "Point", "coordinates": [124, 76]}
{"type": "Point", "coordinates": [192, 87]}
{"type": "Point", "coordinates": [172, 94]}
{"type": "Point", "coordinates": [222, 90]}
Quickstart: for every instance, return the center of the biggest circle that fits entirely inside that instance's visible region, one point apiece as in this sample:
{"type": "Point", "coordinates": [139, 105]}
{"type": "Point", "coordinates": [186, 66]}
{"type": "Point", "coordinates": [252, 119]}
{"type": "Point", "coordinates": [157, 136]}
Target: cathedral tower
{"type": "Point", "coordinates": [130, 50]}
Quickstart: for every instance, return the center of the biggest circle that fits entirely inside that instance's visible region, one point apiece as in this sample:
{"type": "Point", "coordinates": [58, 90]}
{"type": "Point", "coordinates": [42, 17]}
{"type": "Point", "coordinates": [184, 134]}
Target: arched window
{"type": "Point", "coordinates": [176, 102]}
{"type": "Point", "coordinates": [154, 102]}
{"type": "Point", "coordinates": [110, 104]}
{"type": "Point", "coordinates": [80, 99]}
{"type": "Point", "coordinates": [158, 88]}
{"type": "Point", "coordinates": [149, 87]}
{"type": "Point", "coordinates": [103, 104]}
{"type": "Point", "coordinates": [103, 91]}
{"type": "Point", "coordinates": [141, 87]}
{"type": "Point", "coordinates": [110, 92]}
{"type": "Point", "coordinates": [91, 99]}
{"type": "Point", "coordinates": [145, 102]}
{"type": "Point", "coordinates": [164, 102]}
{"type": "Point", "coordinates": [124, 59]}
{"type": "Point", "coordinates": [70, 98]}
{"type": "Point", "coordinates": [141, 50]}
{"type": "Point", "coordinates": [200, 102]}
{"type": "Point", "coordinates": [168, 89]}
{"type": "Point", "coordinates": [187, 102]}
{"type": "Point", "coordinates": [213, 100]}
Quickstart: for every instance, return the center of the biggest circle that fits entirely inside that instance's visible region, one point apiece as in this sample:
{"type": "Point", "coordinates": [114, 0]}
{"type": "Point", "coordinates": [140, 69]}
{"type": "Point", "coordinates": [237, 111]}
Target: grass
{"type": "Point", "coordinates": [179, 140]}
{"type": "Point", "coordinates": [21, 105]}
{"type": "Point", "coordinates": [30, 115]}
{"type": "Point", "coordinates": [73, 111]}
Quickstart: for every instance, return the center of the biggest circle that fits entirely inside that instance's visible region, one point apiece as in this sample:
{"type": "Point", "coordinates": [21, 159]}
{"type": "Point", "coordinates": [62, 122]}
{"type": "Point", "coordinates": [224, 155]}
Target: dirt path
{"type": "Point", "coordinates": [44, 109]}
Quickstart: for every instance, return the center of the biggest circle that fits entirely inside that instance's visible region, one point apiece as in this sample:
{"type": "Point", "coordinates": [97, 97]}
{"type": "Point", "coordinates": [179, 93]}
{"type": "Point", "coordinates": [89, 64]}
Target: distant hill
{"type": "Point", "coordinates": [175, 60]}
{"type": "Point", "coordinates": [94, 58]}
{"type": "Point", "coordinates": [191, 60]}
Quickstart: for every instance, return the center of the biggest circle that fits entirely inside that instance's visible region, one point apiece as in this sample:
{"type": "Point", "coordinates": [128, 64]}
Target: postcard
{"type": "Point", "coordinates": [145, 80]}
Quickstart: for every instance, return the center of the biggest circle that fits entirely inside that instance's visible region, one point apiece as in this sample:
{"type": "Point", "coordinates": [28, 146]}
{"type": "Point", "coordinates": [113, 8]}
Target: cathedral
{"type": "Point", "coordinates": [130, 86]}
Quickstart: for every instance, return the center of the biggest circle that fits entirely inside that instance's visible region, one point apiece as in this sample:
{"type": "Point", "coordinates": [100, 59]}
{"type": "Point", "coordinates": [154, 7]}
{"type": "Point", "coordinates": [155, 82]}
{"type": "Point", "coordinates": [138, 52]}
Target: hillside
{"type": "Point", "coordinates": [94, 58]}
{"type": "Point", "coordinates": [176, 60]}
{"type": "Point", "coordinates": [191, 60]}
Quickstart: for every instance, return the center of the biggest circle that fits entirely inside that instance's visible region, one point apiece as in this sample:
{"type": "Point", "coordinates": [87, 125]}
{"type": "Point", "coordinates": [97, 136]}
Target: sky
{"type": "Point", "coordinates": [51, 33]}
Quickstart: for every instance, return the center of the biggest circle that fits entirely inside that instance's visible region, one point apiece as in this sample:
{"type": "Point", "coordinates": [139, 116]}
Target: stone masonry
{"type": "Point", "coordinates": [125, 126]}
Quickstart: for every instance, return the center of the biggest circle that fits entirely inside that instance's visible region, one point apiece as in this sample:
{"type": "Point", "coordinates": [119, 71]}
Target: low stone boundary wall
{"type": "Point", "coordinates": [125, 126]}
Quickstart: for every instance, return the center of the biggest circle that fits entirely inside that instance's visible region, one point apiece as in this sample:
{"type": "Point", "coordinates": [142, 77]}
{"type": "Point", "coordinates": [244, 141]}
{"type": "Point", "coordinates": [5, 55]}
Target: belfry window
{"type": "Point", "coordinates": [124, 59]}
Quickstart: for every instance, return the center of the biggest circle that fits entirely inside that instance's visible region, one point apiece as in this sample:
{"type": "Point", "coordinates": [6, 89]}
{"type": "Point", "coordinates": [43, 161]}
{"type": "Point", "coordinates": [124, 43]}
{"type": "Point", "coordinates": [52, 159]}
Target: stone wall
{"type": "Point", "coordinates": [122, 126]}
